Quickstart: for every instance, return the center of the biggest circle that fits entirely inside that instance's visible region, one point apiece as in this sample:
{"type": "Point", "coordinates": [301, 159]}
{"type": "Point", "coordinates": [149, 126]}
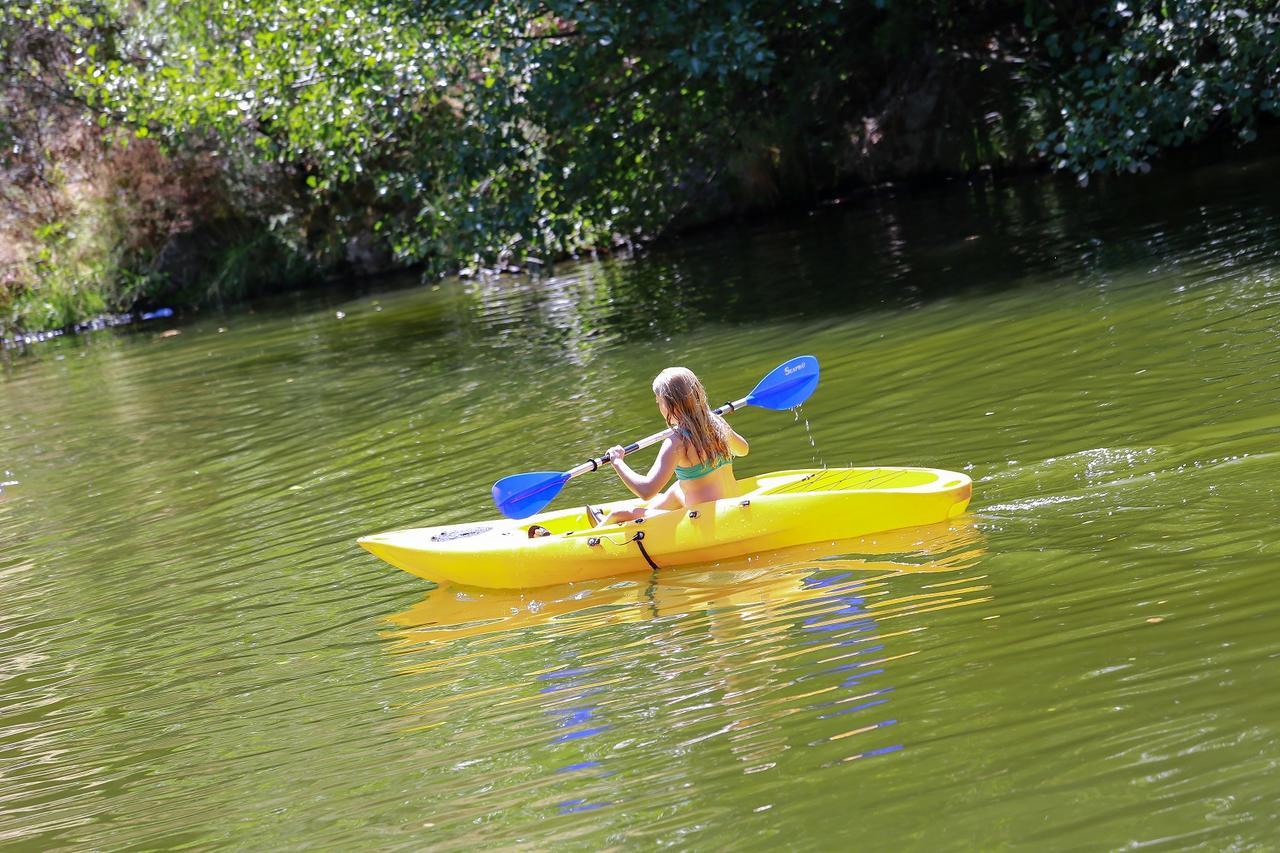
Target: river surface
{"type": "Point", "coordinates": [194, 652]}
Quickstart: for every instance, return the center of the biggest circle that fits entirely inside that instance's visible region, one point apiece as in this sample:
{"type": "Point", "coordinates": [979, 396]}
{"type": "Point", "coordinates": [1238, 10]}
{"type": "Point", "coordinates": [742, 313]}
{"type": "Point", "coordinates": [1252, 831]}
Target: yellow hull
{"type": "Point", "coordinates": [772, 511]}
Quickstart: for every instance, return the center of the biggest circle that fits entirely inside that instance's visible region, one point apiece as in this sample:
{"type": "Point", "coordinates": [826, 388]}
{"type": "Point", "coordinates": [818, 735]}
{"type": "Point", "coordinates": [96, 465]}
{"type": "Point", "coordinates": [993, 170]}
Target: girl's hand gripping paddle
{"type": "Point", "coordinates": [787, 386]}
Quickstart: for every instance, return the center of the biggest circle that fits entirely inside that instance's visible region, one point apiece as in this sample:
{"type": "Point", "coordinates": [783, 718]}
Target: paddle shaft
{"type": "Point", "coordinates": [595, 464]}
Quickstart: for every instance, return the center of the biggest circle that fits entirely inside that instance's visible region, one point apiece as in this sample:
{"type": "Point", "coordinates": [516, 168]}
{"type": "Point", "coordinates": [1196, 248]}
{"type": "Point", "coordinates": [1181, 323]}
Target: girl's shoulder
{"type": "Point", "coordinates": [681, 440]}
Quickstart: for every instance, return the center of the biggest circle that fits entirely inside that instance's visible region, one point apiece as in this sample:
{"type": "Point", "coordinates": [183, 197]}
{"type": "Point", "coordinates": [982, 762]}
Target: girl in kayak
{"type": "Point", "coordinates": [700, 454]}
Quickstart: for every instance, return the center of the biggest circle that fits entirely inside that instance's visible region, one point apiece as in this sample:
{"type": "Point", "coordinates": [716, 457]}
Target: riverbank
{"type": "Point", "coordinates": [1199, 166]}
{"type": "Point", "coordinates": [157, 161]}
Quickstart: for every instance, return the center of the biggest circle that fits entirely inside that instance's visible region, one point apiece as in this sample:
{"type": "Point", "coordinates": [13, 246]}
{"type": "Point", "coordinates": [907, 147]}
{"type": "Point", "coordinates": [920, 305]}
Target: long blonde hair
{"type": "Point", "coordinates": [683, 398]}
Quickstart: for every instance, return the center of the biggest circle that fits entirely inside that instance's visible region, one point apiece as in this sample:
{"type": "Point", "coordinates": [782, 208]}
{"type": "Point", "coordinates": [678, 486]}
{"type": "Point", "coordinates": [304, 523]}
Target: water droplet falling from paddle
{"type": "Point", "coordinates": [816, 457]}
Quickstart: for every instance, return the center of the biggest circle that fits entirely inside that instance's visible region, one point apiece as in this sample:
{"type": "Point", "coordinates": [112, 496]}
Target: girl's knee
{"type": "Point", "coordinates": [623, 515]}
{"type": "Point", "coordinates": [670, 499]}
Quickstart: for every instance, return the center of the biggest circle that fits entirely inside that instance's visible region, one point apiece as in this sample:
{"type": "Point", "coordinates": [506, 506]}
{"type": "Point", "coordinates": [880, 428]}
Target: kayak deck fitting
{"type": "Point", "coordinates": [771, 511]}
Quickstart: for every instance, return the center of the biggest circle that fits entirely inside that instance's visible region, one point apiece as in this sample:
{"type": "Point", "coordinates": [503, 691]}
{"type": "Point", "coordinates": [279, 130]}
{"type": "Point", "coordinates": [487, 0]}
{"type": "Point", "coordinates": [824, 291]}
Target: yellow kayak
{"type": "Point", "coordinates": [771, 511]}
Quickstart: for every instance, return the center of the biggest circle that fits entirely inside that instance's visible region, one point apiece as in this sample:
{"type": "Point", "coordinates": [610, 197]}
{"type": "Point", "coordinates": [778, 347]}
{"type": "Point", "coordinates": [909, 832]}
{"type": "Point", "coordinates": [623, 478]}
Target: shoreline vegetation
{"type": "Point", "coordinates": [183, 154]}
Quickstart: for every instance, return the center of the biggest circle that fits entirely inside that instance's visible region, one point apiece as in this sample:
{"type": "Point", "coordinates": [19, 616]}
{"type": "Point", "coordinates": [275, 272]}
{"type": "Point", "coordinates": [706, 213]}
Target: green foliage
{"type": "Point", "coordinates": [465, 133]}
{"type": "Point", "coordinates": [70, 264]}
{"type": "Point", "coordinates": [1138, 78]}
{"type": "Point", "coordinates": [461, 133]}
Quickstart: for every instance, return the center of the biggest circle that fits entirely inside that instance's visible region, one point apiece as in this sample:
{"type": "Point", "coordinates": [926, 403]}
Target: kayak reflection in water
{"type": "Point", "coordinates": [700, 454]}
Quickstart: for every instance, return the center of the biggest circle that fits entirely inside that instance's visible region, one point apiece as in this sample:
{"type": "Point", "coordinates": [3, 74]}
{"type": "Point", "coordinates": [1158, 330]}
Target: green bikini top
{"type": "Point", "coordinates": [702, 469]}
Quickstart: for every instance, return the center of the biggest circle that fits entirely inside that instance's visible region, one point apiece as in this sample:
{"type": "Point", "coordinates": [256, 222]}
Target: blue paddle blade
{"type": "Point", "coordinates": [521, 495]}
{"type": "Point", "coordinates": [787, 385]}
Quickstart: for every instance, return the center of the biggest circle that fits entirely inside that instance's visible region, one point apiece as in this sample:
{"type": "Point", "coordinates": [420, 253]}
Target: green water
{"type": "Point", "coordinates": [194, 652]}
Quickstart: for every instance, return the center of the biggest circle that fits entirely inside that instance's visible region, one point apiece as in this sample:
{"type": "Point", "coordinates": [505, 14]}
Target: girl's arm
{"type": "Point", "coordinates": [737, 444]}
{"type": "Point", "coordinates": [645, 486]}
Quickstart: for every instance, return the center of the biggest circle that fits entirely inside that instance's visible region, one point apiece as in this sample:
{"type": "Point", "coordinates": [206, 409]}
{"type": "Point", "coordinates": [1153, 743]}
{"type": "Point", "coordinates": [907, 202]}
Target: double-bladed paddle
{"type": "Point", "coordinates": [787, 386]}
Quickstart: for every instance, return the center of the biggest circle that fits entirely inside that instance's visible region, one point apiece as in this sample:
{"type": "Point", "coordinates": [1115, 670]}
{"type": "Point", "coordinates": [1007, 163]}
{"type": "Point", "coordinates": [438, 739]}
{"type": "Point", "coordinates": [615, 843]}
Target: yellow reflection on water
{"type": "Point", "coordinates": [788, 667]}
